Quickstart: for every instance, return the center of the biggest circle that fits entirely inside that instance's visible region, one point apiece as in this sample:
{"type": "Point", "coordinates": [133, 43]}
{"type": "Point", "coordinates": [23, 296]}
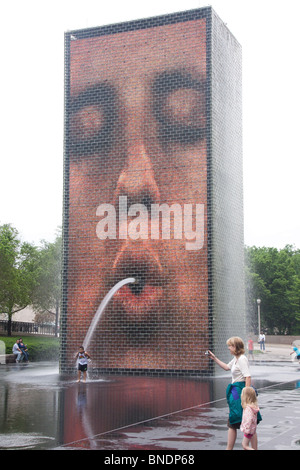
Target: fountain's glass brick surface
{"type": "Point", "coordinates": [153, 191]}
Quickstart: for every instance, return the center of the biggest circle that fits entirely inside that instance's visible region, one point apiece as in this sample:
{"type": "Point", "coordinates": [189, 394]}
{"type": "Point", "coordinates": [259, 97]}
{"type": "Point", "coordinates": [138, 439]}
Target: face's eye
{"type": "Point", "coordinates": [92, 118]}
{"type": "Point", "coordinates": [180, 108]}
{"type": "Point", "coordinates": [186, 107]}
{"type": "Point", "coordinates": [87, 123]}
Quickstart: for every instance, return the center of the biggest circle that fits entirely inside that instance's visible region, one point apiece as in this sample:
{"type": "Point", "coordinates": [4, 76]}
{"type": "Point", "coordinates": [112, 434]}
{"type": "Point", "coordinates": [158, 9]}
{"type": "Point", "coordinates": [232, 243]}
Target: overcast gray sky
{"type": "Point", "coordinates": [32, 100]}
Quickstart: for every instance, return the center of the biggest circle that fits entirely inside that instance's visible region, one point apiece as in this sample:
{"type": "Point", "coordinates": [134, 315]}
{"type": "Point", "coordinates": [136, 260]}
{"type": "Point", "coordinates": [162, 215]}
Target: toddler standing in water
{"type": "Point", "coordinates": [249, 421]}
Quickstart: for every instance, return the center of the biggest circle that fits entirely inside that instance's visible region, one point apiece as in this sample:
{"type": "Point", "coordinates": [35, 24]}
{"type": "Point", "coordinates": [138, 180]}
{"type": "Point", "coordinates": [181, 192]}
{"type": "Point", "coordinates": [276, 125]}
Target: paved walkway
{"type": "Point", "coordinates": [274, 352]}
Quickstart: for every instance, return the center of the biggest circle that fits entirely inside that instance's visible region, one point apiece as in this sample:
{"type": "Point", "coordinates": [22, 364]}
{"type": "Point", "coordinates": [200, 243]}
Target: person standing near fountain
{"type": "Point", "coordinates": [241, 377]}
{"type": "Point", "coordinates": [262, 340]}
{"type": "Point", "coordinates": [83, 358]}
{"type": "Point", "coordinates": [250, 348]}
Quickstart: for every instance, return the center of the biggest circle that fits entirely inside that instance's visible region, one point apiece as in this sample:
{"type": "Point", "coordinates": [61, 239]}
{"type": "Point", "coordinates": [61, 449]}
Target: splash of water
{"type": "Point", "coordinates": [101, 308]}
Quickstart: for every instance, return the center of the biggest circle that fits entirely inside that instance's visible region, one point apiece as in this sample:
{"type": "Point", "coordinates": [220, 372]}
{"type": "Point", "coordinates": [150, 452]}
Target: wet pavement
{"type": "Point", "coordinates": [40, 410]}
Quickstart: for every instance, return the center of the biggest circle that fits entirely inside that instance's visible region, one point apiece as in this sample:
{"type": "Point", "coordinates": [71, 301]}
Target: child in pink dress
{"type": "Point", "coordinates": [249, 421]}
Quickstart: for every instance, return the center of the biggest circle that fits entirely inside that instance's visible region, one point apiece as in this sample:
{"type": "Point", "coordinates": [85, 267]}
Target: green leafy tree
{"type": "Point", "coordinates": [18, 272]}
{"type": "Point", "coordinates": [273, 276]}
{"type": "Point", "coordinates": [47, 293]}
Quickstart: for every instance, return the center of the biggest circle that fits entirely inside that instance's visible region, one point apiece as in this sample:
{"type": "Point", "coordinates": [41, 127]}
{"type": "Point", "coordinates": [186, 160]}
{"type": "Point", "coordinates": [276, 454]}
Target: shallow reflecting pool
{"type": "Point", "coordinates": [39, 409]}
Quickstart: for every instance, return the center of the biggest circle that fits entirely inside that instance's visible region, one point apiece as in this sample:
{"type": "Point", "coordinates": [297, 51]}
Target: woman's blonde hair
{"type": "Point", "coordinates": [248, 397]}
{"type": "Point", "coordinates": [237, 343]}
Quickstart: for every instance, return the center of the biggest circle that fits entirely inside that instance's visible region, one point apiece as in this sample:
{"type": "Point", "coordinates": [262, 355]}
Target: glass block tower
{"type": "Point", "coordinates": [153, 192]}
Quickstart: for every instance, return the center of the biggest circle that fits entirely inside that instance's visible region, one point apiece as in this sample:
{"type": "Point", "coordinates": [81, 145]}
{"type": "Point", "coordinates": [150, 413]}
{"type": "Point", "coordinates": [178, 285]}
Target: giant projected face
{"type": "Point", "coordinates": [138, 196]}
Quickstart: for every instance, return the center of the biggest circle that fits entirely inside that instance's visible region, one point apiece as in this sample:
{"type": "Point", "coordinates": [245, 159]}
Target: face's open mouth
{"type": "Point", "coordinates": [140, 282]}
{"type": "Point", "coordinates": [139, 298]}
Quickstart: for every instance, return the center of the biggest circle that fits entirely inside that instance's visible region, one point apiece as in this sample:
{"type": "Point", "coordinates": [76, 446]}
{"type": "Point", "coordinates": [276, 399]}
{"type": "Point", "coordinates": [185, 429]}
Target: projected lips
{"type": "Point", "coordinates": [140, 298]}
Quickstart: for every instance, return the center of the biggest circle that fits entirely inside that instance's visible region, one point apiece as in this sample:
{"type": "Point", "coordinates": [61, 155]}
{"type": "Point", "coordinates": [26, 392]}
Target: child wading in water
{"type": "Point", "coordinates": [249, 421]}
{"type": "Point", "coordinates": [82, 357]}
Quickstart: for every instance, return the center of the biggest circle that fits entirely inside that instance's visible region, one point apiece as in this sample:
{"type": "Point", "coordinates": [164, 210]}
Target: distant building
{"type": "Point", "coordinates": [25, 315]}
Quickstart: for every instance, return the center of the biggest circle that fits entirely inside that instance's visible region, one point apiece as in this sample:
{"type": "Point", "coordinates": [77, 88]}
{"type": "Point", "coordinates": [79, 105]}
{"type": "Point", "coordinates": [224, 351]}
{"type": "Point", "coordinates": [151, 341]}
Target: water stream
{"type": "Point", "coordinates": [101, 308]}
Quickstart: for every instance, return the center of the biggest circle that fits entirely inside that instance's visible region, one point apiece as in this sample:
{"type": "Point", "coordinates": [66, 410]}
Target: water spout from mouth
{"type": "Point", "coordinates": [102, 306]}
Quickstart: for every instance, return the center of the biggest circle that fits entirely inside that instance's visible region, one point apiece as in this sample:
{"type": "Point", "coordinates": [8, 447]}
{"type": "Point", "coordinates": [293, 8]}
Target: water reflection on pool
{"type": "Point", "coordinates": [39, 409]}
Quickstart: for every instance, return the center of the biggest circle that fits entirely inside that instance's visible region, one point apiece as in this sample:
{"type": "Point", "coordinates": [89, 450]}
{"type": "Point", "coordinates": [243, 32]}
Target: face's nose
{"type": "Point", "coordinates": [137, 179]}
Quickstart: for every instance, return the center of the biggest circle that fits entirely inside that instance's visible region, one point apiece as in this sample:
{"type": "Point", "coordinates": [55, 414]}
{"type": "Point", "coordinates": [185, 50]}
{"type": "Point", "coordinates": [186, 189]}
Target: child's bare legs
{"type": "Point", "coordinates": [247, 440]}
{"type": "Point", "coordinates": [245, 443]}
{"type": "Point", "coordinates": [231, 438]}
{"type": "Point", "coordinates": [79, 375]}
{"type": "Point", "coordinates": [254, 442]}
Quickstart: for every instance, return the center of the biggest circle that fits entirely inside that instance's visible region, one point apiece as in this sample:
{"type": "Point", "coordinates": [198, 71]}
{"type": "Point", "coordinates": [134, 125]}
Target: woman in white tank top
{"type": "Point", "coordinates": [240, 377]}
